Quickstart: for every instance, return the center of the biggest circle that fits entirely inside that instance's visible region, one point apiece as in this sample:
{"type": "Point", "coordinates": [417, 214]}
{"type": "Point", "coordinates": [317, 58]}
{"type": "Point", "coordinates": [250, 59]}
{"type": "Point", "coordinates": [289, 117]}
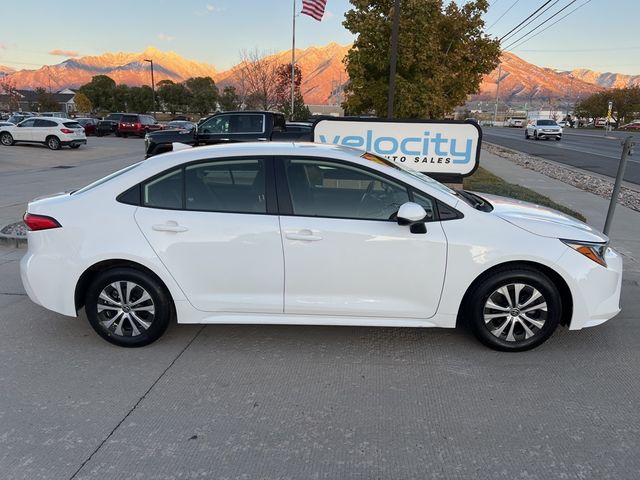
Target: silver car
{"type": "Point", "coordinates": [544, 128]}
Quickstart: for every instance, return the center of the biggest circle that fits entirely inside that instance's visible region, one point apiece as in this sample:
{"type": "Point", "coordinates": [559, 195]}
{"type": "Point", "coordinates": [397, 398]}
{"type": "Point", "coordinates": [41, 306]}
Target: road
{"type": "Point", "coordinates": [586, 149]}
{"type": "Point", "coordinates": [299, 402]}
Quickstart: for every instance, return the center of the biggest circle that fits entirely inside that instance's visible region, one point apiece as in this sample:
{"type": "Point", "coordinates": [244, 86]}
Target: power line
{"type": "Point", "coordinates": [514, 28]}
{"type": "Point", "coordinates": [500, 17]}
{"type": "Point", "coordinates": [549, 26]}
{"type": "Point", "coordinates": [492, 5]}
{"type": "Point", "coordinates": [582, 49]}
{"type": "Point", "coordinates": [540, 24]}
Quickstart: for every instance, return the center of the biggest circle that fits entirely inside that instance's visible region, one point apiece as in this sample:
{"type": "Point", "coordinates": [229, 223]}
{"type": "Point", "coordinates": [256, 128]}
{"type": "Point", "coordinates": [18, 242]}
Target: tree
{"type": "Point", "coordinates": [203, 96]}
{"type": "Point", "coordinates": [443, 54]}
{"type": "Point", "coordinates": [83, 104]}
{"type": "Point", "coordinates": [626, 103]}
{"type": "Point", "coordinates": [46, 101]}
{"type": "Point", "coordinates": [229, 100]}
{"type": "Point", "coordinates": [140, 99]}
{"type": "Point", "coordinates": [283, 93]}
{"type": "Point", "coordinates": [121, 98]}
{"type": "Point", "coordinates": [100, 92]}
{"type": "Point", "coordinates": [9, 88]}
{"type": "Point", "coordinates": [258, 72]}
{"type": "Point", "coordinates": [173, 96]}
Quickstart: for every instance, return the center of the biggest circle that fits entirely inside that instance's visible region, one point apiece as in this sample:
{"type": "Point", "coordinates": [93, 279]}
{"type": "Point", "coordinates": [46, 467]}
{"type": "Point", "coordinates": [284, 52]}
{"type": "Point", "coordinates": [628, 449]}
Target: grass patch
{"type": "Point", "coordinates": [484, 181]}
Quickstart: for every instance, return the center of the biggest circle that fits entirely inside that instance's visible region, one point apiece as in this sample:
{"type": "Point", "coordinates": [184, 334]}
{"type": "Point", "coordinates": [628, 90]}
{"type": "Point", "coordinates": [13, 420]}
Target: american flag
{"type": "Point", "coordinates": [314, 8]}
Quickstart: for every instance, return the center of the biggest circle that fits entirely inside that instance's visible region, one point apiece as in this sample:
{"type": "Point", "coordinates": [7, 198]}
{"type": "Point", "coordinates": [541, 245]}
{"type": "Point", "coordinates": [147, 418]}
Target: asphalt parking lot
{"type": "Point", "coordinates": [289, 402]}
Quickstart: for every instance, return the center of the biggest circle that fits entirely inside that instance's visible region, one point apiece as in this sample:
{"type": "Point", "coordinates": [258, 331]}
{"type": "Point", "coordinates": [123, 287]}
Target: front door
{"type": "Point", "coordinates": [213, 225]}
{"type": "Point", "coordinates": [345, 254]}
{"type": "Point", "coordinates": [233, 127]}
{"type": "Point", "coordinates": [24, 131]}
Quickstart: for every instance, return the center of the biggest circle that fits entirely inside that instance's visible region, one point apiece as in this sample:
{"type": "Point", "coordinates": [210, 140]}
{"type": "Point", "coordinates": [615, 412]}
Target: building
{"type": "Point", "coordinates": [28, 101]}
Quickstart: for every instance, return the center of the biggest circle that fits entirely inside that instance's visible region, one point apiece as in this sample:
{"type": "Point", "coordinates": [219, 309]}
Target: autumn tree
{"type": "Point", "coordinates": [626, 104]}
{"type": "Point", "coordinates": [229, 100]}
{"type": "Point", "coordinates": [258, 72]}
{"type": "Point", "coordinates": [173, 96]}
{"type": "Point", "coordinates": [8, 87]}
{"type": "Point", "coordinates": [203, 95]}
{"type": "Point", "coordinates": [46, 101]}
{"type": "Point", "coordinates": [283, 92]}
{"type": "Point", "coordinates": [100, 91]}
{"type": "Point", "coordinates": [83, 104]}
{"type": "Point", "coordinates": [443, 54]}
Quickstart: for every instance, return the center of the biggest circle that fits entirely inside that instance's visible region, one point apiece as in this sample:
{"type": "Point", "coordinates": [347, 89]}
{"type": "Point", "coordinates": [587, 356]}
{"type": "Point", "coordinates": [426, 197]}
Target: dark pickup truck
{"type": "Point", "coordinates": [229, 127]}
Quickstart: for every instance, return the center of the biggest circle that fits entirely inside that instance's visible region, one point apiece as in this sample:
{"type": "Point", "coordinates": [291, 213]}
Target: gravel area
{"type": "Point", "coordinates": [584, 181]}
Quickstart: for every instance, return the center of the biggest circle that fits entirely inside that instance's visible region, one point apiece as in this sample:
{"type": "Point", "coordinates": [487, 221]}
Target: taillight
{"type": "Point", "coordinates": [39, 222]}
{"type": "Point", "coordinates": [138, 125]}
{"type": "Point", "coordinates": [66, 130]}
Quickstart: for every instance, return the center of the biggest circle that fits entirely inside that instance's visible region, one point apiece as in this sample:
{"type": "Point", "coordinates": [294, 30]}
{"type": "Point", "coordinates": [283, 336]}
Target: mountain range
{"type": "Point", "coordinates": [323, 75]}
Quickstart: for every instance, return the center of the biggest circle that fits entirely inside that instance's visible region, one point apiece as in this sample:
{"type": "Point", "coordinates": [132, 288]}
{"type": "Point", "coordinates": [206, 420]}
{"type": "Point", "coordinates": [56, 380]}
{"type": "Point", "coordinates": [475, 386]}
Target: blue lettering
{"type": "Point", "coordinates": [378, 147]}
{"type": "Point", "coordinates": [466, 154]}
{"type": "Point", "coordinates": [437, 141]}
{"type": "Point", "coordinates": [336, 140]}
{"type": "Point", "coordinates": [353, 141]}
{"type": "Point", "coordinates": [405, 150]}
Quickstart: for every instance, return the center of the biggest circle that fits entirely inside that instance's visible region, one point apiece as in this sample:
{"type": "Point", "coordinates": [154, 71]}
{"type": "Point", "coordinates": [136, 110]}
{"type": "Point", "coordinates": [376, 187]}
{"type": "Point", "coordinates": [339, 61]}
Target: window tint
{"type": "Point", "coordinates": [426, 203]}
{"type": "Point", "coordinates": [164, 191]}
{"type": "Point", "coordinates": [72, 124]}
{"type": "Point", "coordinates": [114, 116]}
{"type": "Point", "coordinates": [328, 189]}
{"type": "Point", "coordinates": [129, 118]}
{"type": "Point", "coordinates": [226, 186]}
{"type": "Point", "coordinates": [45, 123]}
{"type": "Point", "coordinates": [546, 122]}
{"type": "Point", "coordinates": [247, 123]}
{"type": "Point", "coordinates": [219, 124]}
{"type": "Point", "coordinates": [27, 123]}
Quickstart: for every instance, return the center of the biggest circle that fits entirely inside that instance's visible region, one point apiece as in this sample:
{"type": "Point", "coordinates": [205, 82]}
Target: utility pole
{"type": "Point", "coordinates": [626, 151]}
{"type": "Point", "coordinates": [153, 85]}
{"type": "Point", "coordinates": [495, 111]}
{"type": "Point", "coordinates": [395, 29]}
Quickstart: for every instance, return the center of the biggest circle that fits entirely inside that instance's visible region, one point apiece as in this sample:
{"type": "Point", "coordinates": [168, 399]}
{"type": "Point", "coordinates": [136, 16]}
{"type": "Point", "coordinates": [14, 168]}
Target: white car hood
{"type": "Point", "coordinates": [542, 221]}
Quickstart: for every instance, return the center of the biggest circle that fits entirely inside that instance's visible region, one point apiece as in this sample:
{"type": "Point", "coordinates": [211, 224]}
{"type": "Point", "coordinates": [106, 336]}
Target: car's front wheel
{"type": "Point", "coordinates": [128, 307]}
{"type": "Point", "coordinates": [6, 139]}
{"type": "Point", "coordinates": [514, 309]}
{"type": "Point", "coordinates": [53, 143]}
{"type": "Point", "coordinates": [526, 134]}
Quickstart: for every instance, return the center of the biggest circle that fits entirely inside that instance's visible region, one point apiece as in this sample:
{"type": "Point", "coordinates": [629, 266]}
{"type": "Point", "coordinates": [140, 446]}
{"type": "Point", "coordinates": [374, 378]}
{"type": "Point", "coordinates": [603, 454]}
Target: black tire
{"type": "Point", "coordinates": [557, 139]}
{"type": "Point", "coordinates": [98, 133]}
{"type": "Point", "coordinates": [535, 135]}
{"type": "Point", "coordinates": [74, 146]}
{"type": "Point", "coordinates": [53, 142]}
{"type": "Point", "coordinates": [117, 134]}
{"type": "Point", "coordinates": [6, 139]}
{"type": "Point", "coordinates": [526, 134]}
{"type": "Point", "coordinates": [160, 302]}
{"type": "Point", "coordinates": [123, 135]}
{"type": "Point", "coordinates": [476, 309]}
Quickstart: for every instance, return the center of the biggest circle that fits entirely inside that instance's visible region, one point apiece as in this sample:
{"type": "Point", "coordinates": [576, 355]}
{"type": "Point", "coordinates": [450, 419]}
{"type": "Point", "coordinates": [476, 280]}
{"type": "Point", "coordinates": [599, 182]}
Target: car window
{"type": "Point", "coordinates": [114, 116]}
{"type": "Point", "coordinates": [426, 203]}
{"type": "Point", "coordinates": [27, 123]}
{"type": "Point", "coordinates": [247, 123]}
{"type": "Point", "coordinates": [129, 119]}
{"type": "Point", "coordinates": [164, 191]}
{"type": "Point", "coordinates": [329, 189]}
{"type": "Point", "coordinates": [45, 123]}
{"type": "Point", "coordinates": [236, 185]}
{"type": "Point", "coordinates": [72, 125]}
{"type": "Point", "coordinates": [218, 124]}
{"type": "Point", "coordinates": [547, 122]}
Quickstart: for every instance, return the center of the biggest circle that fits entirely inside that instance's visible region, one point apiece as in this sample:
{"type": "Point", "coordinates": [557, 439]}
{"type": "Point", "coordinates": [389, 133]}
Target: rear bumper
{"type": "Point", "coordinates": [79, 141]}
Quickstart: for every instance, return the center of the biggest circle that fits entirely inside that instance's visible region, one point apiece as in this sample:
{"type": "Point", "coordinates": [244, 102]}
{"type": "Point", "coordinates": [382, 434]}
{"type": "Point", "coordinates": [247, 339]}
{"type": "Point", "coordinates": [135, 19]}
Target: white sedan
{"type": "Point", "coordinates": [311, 234]}
{"type": "Point", "coordinates": [53, 132]}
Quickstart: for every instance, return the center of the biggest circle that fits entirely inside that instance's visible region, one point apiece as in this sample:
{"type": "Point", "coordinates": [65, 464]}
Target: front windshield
{"type": "Point", "coordinates": [415, 174]}
{"type": "Point", "coordinates": [546, 122]}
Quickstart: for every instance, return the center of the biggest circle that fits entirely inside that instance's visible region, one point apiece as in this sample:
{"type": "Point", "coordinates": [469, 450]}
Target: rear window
{"type": "Point", "coordinates": [106, 179]}
{"type": "Point", "coordinates": [129, 118]}
{"type": "Point", "coordinates": [72, 125]}
{"type": "Point", "coordinates": [114, 116]}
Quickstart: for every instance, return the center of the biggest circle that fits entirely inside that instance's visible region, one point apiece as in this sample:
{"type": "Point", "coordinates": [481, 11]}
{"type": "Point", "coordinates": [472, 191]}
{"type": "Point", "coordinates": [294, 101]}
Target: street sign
{"type": "Point", "coordinates": [442, 148]}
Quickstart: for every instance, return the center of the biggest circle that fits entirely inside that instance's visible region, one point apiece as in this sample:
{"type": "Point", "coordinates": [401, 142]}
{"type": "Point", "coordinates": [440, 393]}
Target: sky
{"type": "Point", "coordinates": [600, 35]}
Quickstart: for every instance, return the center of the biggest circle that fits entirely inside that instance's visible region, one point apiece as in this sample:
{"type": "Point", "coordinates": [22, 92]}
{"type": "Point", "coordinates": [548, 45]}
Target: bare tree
{"type": "Point", "coordinates": [258, 71]}
{"type": "Point", "coordinates": [9, 87]}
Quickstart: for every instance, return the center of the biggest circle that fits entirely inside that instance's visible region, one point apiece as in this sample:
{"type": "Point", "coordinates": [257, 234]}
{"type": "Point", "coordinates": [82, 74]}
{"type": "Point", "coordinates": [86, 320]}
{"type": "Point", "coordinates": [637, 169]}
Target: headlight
{"type": "Point", "coordinates": [591, 250]}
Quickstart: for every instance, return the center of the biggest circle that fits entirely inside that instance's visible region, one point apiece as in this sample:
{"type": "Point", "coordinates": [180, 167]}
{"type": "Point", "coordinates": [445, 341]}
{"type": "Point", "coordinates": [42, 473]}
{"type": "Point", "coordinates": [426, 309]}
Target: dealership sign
{"type": "Point", "coordinates": [435, 147]}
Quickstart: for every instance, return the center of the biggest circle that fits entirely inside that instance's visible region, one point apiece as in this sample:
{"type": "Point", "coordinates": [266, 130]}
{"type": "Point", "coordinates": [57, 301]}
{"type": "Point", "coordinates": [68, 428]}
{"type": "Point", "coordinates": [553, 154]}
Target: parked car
{"type": "Point", "coordinates": [309, 234]}
{"type": "Point", "coordinates": [179, 125]}
{"type": "Point", "coordinates": [6, 124]}
{"type": "Point", "coordinates": [562, 123]}
{"type": "Point", "coordinates": [138, 125]}
{"type": "Point", "coordinates": [108, 124]}
{"type": "Point", "coordinates": [299, 127]}
{"type": "Point", "coordinates": [16, 118]}
{"type": "Point", "coordinates": [227, 127]}
{"type": "Point", "coordinates": [54, 114]}
{"type": "Point", "coordinates": [50, 131]}
{"type": "Point", "coordinates": [635, 125]}
{"type": "Point", "coordinates": [516, 122]}
{"type": "Point", "coordinates": [543, 129]}
{"type": "Point", "coordinates": [89, 125]}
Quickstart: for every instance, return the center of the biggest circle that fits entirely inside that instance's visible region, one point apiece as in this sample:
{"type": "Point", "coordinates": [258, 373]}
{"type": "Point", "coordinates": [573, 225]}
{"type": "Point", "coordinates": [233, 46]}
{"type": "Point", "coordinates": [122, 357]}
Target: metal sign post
{"type": "Point", "coordinates": [626, 151]}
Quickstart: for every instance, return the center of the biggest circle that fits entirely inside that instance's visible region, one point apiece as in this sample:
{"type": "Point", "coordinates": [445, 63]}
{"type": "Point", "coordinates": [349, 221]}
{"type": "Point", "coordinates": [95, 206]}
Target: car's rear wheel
{"type": "Point", "coordinates": [514, 309]}
{"type": "Point", "coordinates": [6, 139]}
{"type": "Point", "coordinates": [74, 146]}
{"type": "Point", "coordinates": [535, 135]}
{"type": "Point", "coordinates": [53, 143]}
{"type": "Point", "coordinates": [128, 307]}
{"type": "Point", "coordinates": [557, 139]}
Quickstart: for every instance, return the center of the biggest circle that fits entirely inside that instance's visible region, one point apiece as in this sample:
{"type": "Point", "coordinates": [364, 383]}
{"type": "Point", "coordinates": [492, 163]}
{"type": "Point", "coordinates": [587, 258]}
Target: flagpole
{"type": "Point", "coordinates": [293, 61]}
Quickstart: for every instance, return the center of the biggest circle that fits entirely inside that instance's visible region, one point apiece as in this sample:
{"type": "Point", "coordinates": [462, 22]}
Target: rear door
{"type": "Point", "coordinates": [233, 127]}
{"type": "Point", "coordinates": [215, 226]}
{"type": "Point", "coordinates": [43, 128]}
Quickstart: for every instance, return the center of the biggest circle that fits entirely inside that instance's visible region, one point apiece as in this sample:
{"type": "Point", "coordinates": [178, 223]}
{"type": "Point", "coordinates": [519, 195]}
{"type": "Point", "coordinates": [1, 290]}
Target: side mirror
{"type": "Point", "coordinates": [414, 215]}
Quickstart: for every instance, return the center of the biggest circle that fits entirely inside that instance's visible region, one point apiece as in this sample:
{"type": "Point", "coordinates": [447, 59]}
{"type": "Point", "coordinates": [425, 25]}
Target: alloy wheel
{"type": "Point", "coordinates": [515, 312]}
{"type": "Point", "coordinates": [125, 309]}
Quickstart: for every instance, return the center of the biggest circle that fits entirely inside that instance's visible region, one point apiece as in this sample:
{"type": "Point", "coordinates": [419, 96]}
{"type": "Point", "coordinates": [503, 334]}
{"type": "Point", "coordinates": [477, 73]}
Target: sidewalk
{"type": "Point", "coordinates": [625, 229]}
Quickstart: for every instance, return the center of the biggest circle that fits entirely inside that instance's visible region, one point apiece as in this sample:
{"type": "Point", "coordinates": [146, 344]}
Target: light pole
{"type": "Point", "coordinates": [395, 28]}
{"type": "Point", "coordinates": [153, 84]}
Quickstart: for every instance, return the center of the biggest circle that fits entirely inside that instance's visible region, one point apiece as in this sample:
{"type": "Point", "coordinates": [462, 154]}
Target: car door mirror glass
{"type": "Point", "coordinates": [411, 213]}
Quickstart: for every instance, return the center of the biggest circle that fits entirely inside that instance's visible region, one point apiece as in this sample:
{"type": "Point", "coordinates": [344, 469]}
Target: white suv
{"type": "Point", "coordinates": [50, 131]}
{"type": "Point", "coordinates": [543, 129]}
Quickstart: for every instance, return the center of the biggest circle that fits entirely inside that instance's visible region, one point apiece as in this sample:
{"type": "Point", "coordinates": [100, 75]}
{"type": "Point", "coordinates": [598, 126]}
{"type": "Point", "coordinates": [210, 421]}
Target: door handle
{"type": "Point", "coordinates": [304, 235]}
{"type": "Point", "coordinates": [169, 227]}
